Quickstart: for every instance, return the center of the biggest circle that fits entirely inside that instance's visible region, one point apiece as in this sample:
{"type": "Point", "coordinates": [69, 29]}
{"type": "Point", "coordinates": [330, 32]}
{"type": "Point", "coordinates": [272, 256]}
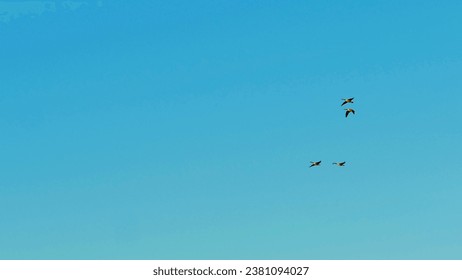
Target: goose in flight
{"type": "Point", "coordinates": [340, 163]}
{"type": "Point", "coordinates": [348, 111]}
{"type": "Point", "coordinates": [347, 100]}
{"type": "Point", "coordinates": [315, 163]}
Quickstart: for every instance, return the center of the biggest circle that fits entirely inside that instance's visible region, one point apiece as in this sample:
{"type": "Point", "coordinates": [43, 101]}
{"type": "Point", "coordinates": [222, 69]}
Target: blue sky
{"type": "Point", "coordinates": [184, 130]}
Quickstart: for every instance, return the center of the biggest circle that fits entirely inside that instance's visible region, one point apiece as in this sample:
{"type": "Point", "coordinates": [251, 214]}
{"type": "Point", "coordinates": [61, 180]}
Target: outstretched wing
{"type": "Point", "coordinates": [346, 114]}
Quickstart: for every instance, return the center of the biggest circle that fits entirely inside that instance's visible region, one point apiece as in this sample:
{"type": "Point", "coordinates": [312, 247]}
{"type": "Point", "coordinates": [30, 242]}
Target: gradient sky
{"type": "Point", "coordinates": [184, 129]}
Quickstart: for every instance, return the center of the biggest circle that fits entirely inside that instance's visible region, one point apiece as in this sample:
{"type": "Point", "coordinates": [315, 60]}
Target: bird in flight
{"type": "Point", "coordinates": [315, 163]}
{"type": "Point", "coordinates": [348, 111]}
{"type": "Point", "coordinates": [347, 100]}
{"type": "Point", "coordinates": [340, 163]}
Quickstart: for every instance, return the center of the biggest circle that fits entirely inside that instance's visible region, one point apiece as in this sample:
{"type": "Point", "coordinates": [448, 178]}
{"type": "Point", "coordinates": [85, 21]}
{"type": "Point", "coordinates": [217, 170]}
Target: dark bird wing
{"type": "Point", "coordinates": [344, 102]}
{"type": "Point", "coordinates": [346, 114]}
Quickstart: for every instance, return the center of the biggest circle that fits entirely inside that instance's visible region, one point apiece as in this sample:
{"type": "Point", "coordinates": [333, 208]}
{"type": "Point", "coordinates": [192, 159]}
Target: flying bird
{"type": "Point", "coordinates": [347, 100]}
{"type": "Point", "coordinates": [340, 163]}
{"type": "Point", "coordinates": [348, 111]}
{"type": "Point", "coordinates": [315, 163]}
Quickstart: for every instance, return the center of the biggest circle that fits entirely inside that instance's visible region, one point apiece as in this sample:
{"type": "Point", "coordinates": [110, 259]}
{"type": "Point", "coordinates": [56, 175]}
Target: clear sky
{"type": "Point", "coordinates": [184, 129]}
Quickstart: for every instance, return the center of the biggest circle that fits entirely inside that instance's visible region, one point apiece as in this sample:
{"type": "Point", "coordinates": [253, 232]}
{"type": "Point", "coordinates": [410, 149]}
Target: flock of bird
{"type": "Point", "coordinates": [348, 111]}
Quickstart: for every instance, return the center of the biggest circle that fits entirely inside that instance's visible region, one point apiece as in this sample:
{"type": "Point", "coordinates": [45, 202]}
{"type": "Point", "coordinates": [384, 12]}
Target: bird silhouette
{"type": "Point", "coordinates": [348, 111]}
{"type": "Point", "coordinates": [340, 163]}
{"type": "Point", "coordinates": [315, 163]}
{"type": "Point", "coordinates": [347, 100]}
